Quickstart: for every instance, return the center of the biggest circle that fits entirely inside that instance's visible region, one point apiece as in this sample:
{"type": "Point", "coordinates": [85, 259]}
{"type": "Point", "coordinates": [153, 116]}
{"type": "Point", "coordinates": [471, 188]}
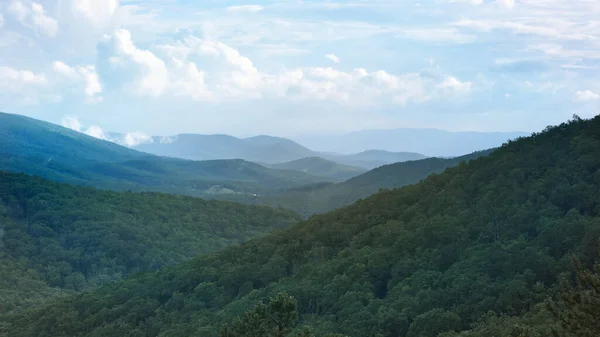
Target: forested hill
{"type": "Point", "coordinates": [322, 168]}
{"type": "Point", "coordinates": [320, 198]}
{"type": "Point", "coordinates": [53, 152]}
{"type": "Point", "coordinates": [479, 243]}
{"type": "Point", "coordinates": [75, 237]}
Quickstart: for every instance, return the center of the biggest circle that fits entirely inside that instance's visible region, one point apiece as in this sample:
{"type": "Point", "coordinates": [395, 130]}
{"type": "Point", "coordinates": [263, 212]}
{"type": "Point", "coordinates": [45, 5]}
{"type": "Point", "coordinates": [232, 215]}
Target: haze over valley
{"type": "Point", "coordinates": [299, 168]}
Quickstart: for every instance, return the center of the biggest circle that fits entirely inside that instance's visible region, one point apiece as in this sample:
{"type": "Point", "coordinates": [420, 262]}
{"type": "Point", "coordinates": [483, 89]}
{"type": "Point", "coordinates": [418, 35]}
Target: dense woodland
{"type": "Point", "coordinates": [73, 238]}
{"type": "Point", "coordinates": [479, 250]}
{"type": "Point", "coordinates": [323, 197]}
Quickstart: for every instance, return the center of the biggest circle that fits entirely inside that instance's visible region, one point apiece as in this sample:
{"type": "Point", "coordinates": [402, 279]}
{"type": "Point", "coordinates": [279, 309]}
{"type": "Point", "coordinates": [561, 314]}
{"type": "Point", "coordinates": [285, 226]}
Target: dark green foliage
{"type": "Point", "coordinates": [477, 245]}
{"type": "Point", "coordinates": [277, 319]}
{"type": "Point", "coordinates": [578, 308]}
{"type": "Point", "coordinates": [74, 237]}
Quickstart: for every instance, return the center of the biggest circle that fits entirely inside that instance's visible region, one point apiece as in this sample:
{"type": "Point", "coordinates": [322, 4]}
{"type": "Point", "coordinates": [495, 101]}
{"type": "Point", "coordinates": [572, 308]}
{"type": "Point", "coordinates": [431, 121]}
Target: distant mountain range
{"type": "Point", "coordinates": [260, 149]}
{"type": "Point", "coordinates": [60, 154]}
{"type": "Point", "coordinates": [321, 167]}
{"type": "Point", "coordinates": [265, 150]}
{"type": "Point", "coordinates": [323, 197]}
{"type": "Point", "coordinates": [431, 142]}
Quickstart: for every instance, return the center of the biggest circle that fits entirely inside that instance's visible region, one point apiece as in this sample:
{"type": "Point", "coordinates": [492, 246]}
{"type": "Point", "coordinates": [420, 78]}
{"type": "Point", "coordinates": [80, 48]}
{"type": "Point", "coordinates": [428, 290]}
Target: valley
{"type": "Point", "coordinates": [391, 263]}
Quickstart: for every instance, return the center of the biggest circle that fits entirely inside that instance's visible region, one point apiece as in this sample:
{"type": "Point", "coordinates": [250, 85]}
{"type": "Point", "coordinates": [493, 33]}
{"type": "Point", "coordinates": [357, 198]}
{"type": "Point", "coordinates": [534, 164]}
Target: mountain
{"type": "Point", "coordinates": [323, 197]}
{"type": "Point", "coordinates": [320, 167]}
{"type": "Point", "coordinates": [481, 243]}
{"type": "Point", "coordinates": [374, 158]}
{"type": "Point", "coordinates": [431, 142]}
{"type": "Point", "coordinates": [261, 149]}
{"type": "Point", "coordinates": [266, 150]}
{"type": "Point", "coordinates": [53, 152]}
{"type": "Point", "coordinates": [72, 238]}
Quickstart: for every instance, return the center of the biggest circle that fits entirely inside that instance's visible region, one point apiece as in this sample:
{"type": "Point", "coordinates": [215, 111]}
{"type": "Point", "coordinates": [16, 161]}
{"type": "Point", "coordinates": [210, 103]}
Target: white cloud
{"type": "Point", "coordinates": [586, 95]}
{"type": "Point", "coordinates": [333, 58]}
{"type": "Point", "coordinates": [127, 139]}
{"type": "Point", "coordinates": [245, 8]}
{"type": "Point", "coordinates": [1, 20]}
{"type": "Point", "coordinates": [227, 75]}
{"type": "Point", "coordinates": [133, 139]}
{"type": "Point", "coordinates": [453, 85]}
{"type": "Point", "coordinates": [84, 75]}
{"type": "Point", "coordinates": [470, 2]}
{"type": "Point", "coordinates": [95, 11]}
{"type": "Point", "coordinates": [96, 131]}
{"type": "Point", "coordinates": [13, 80]}
{"type": "Point", "coordinates": [153, 77]}
{"type": "Point", "coordinates": [72, 123]}
{"type": "Point", "coordinates": [34, 16]}
{"type": "Point", "coordinates": [506, 3]}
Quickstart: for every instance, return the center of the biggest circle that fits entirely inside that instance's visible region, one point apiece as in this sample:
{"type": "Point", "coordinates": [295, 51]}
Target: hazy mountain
{"type": "Point", "coordinates": [481, 246]}
{"type": "Point", "coordinates": [374, 158]}
{"type": "Point", "coordinates": [324, 197]}
{"type": "Point", "coordinates": [260, 149]}
{"type": "Point", "coordinates": [57, 153]}
{"type": "Point", "coordinates": [322, 167]}
{"type": "Point", "coordinates": [431, 142]}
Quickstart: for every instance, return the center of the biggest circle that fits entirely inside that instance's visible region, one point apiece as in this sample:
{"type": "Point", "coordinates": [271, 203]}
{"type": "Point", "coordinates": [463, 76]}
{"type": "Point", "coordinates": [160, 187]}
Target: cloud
{"type": "Point", "coordinates": [333, 58]}
{"type": "Point", "coordinates": [227, 75]}
{"type": "Point", "coordinates": [1, 20]}
{"type": "Point", "coordinates": [13, 80]}
{"type": "Point", "coordinates": [506, 3]}
{"type": "Point", "coordinates": [83, 75]}
{"type": "Point", "coordinates": [451, 85]}
{"type": "Point", "coordinates": [33, 15]}
{"type": "Point", "coordinates": [152, 75]}
{"type": "Point", "coordinates": [129, 139]}
{"type": "Point", "coordinates": [510, 65]}
{"type": "Point", "coordinates": [132, 139]}
{"type": "Point", "coordinates": [95, 11]}
{"type": "Point", "coordinates": [245, 8]}
{"type": "Point", "coordinates": [586, 95]}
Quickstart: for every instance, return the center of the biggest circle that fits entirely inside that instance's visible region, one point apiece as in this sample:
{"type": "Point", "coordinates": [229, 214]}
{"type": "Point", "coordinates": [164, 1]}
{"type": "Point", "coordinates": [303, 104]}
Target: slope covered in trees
{"type": "Point", "coordinates": [323, 197]}
{"type": "Point", "coordinates": [60, 154]}
{"type": "Point", "coordinates": [484, 239]}
{"type": "Point", "coordinates": [320, 167]}
{"type": "Point", "coordinates": [74, 237]}
{"type": "Point", "coordinates": [371, 159]}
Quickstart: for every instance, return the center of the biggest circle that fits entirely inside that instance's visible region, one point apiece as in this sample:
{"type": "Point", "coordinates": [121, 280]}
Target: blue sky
{"type": "Point", "coordinates": [299, 67]}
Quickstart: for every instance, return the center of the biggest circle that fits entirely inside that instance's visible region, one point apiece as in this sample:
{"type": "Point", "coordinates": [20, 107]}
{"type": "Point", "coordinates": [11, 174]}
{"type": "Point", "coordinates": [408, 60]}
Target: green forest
{"type": "Point", "coordinates": [501, 245]}
{"type": "Point", "coordinates": [319, 198]}
{"type": "Point", "coordinates": [57, 238]}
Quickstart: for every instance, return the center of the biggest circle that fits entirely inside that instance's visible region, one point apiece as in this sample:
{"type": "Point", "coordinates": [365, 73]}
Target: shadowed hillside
{"type": "Point", "coordinates": [485, 238]}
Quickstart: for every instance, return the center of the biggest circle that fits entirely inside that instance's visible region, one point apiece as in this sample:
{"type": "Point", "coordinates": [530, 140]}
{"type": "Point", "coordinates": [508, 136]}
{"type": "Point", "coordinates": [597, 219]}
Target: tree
{"type": "Point", "coordinates": [277, 319]}
{"type": "Point", "coordinates": [578, 307]}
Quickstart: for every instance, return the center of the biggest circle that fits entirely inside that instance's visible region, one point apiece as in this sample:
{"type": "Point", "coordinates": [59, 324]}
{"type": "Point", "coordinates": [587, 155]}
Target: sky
{"type": "Point", "coordinates": [291, 68]}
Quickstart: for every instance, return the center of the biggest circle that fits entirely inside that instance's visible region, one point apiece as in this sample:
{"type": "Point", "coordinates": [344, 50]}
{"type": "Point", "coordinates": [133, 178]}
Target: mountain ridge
{"type": "Point", "coordinates": [487, 239]}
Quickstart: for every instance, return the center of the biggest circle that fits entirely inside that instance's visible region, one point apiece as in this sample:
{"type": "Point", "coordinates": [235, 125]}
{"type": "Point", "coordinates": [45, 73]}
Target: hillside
{"type": "Point", "coordinates": [74, 238]}
{"type": "Point", "coordinates": [485, 239]}
{"type": "Point", "coordinates": [261, 149]}
{"type": "Point", "coordinates": [374, 158]}
{"type": "Point", "coordinates": [266, 150]}
{"type": "Point", "coordinates": [324, 197]}
{"type": "Point", "coordinates": [320, 167]}
{"type": "Point", "coordinates": [432, 142]}
{"type": "Point", "coordinates": [60, 154]}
